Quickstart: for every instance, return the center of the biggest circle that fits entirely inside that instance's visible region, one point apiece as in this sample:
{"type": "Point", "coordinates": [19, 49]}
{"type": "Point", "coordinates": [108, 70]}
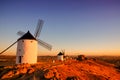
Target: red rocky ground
{"type": "Point", "coordinates": [67, 70]}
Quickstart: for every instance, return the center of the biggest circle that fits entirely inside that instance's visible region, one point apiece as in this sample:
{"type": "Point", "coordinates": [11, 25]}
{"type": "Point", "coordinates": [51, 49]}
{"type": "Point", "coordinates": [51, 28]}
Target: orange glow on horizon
{"type": "Point", "coordinates": [42, 51]}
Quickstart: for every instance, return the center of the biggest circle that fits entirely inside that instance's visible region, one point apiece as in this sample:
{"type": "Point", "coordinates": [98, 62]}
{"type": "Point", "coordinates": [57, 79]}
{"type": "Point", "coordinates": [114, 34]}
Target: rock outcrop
{"type": "Point", "coordinates": [67, 70]}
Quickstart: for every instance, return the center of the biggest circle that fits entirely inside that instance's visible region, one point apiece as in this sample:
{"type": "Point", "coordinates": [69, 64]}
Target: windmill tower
{"type": "Point", "coordinates": [26, 49]}
{"type": "Point", "coordinates": [60, 55]}
{"type": "Point", "coordinates": [27, 46]}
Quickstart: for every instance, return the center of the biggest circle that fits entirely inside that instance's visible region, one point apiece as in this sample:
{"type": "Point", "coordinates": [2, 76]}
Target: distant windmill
{"type": "Point", "coordinates": [61, 55]}
{"type": "Point", "coordinates": [27, 45]}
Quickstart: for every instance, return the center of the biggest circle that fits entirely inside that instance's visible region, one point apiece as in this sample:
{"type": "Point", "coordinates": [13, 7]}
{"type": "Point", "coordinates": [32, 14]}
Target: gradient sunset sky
{"type": "Point", "coordinates": [90, 27]}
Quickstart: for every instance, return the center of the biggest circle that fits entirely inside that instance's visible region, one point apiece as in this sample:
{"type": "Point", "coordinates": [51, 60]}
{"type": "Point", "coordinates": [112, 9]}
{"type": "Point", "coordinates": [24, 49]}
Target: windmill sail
{"type": "Point", "coordinates": [8, 47]}
{"type": "Point", "coordinates": [20, 33]}
{"type": "Point", "coordinates": [37, 34]}
{"type": "Point", "coordinates": [44, 44]}
{"type": "Point", "coordinates": [38, 29]}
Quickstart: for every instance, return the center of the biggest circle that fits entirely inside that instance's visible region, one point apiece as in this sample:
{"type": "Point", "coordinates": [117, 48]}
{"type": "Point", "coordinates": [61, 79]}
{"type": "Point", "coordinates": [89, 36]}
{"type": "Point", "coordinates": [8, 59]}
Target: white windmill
{"type": "Point", "coordinates": [27, 45]}
{"type": "Point", "coordinates": [60, 55]}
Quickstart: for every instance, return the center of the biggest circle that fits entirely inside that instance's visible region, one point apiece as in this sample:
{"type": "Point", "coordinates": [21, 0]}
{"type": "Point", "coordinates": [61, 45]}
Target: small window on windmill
{"type": "Point", "coordinates": [22, 40]}
{"type": "Point", "coordinates": [19, 50]}
{"type": "Point", "coordinates": [31, 41]}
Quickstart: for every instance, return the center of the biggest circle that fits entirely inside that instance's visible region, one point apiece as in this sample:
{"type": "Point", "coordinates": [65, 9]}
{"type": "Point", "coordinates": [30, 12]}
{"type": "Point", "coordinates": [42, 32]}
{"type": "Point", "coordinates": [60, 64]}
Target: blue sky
{"type": "Point", "coordinates": [90, 27]}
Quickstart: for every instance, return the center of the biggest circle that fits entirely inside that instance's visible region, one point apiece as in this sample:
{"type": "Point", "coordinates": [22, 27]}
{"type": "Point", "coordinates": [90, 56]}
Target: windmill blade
{"type": "Point", "coordinates": [44, 44]}
{"type": "Point", "coordinates": [8, 47]}
{"type": "Point", "coordinates": [20, 33]}
{"type": "Point", "coordinates": [38, 29]}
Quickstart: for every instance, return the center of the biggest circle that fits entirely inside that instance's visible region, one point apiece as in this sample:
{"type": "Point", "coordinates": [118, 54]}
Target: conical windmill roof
{"type": "Point", "coordinates": [27, 35]}
{"type": "Point", "coordinates": [60, 53]}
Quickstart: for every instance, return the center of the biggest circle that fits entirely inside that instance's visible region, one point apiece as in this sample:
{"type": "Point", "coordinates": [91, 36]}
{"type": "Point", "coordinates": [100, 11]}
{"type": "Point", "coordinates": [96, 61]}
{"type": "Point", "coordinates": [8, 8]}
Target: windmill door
{"type": "Point", "coordinates": [20, 58]}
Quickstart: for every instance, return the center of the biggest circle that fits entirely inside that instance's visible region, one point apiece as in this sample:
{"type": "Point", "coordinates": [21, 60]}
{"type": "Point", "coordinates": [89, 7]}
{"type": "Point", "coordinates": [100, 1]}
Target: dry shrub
{"type": "Point", "coordinates": [81, 57]}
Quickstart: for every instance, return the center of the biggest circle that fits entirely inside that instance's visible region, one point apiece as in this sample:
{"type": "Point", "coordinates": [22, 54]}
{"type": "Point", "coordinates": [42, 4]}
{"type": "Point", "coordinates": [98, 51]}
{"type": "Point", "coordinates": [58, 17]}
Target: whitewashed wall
{"type": "Point", "coordinates": [28, 50]}
{"type": "Point", "coordinates": [60, 57]}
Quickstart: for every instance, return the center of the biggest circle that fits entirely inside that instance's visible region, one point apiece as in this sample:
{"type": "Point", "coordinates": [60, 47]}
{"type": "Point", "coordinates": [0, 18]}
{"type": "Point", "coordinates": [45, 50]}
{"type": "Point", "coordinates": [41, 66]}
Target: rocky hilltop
{"type": "Point", "coordinates": [67, 70]}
